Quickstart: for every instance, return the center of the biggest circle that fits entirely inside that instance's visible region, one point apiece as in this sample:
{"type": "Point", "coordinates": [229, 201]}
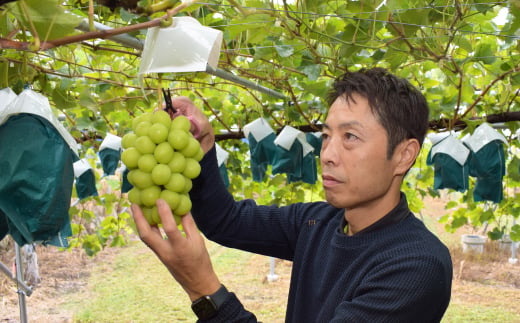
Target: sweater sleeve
{"type": "Point", "coordinates": [261, 229]}
{"type": "Point", "coordinates": [212, 205]}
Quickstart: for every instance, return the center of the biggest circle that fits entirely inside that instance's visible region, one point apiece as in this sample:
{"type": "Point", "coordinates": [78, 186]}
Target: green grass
{"type": "Point", "coordinates": [135, 287]}
{"type": "Point", "coordinates": [463, 313]}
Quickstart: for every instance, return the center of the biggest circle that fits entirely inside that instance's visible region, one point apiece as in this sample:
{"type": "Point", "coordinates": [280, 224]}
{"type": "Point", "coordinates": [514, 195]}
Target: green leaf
{"type": "Point", "coordinates": [416, 204]}
{"type": "Point", "coordinates": [264, 53]}
{"type": "Point", "coordinates": [86, 99]}
{"type": "Point", "coordinates": [513, 170]}
{"type": "Point", "coordinates": [4, 74]}
{"type": "Point", "coordinates": [463, 43]}
{"type": "Point", "coordinates": [458, 222]}
{"type": "Point", "coordinates": [395, 58]}
{"type": "Point", "coordinates": [318, 89]}
{"type": "Point", "coordinates": [91, 245]}
{"type": "Point", "coordinates": [118, 241]}
{"type": "Point", "coordinates": [6, 25]}
{"type": "Point", "coordinates": [62, 99]}
{"type": "Point", "coordinates": [485, 53]}
{"type": "Point", "coordinates": [284, 50]}
{"type": "Point", "coordinates": [444, 219]}
{"type": "Point", "coordinates": [451, 205]}
{"type": "Point", "coordinates": [312, 71]}
{"type": "Point", "coordinates": [76, 228]}
{"type": "Point", "coordinates": [49, 18]}
{"type": "Point", "coordinates": [486, 216]}
{"type": "Point", "coordinates": [348, 52]}
{"type": "Point", "coordinates": [515, 79]}
{"type": "Point", "coordinates": [514, 234]}
{"type": "Point", "coordinates": [495, 234]}
{"type": "Point", "coordinates": [126, 15]}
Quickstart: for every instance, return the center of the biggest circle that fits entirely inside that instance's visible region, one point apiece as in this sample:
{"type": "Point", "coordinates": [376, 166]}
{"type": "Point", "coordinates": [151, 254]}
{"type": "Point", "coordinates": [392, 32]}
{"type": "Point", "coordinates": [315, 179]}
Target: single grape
{"type": "Point", "coordinates": [184, 205]}
{"type": "Point", "coordinates": [150, 195]}
{"type": "Point", "coordinates": [161, 174]}
{"type": "Point", "coordinates": [140, 179]}
{"type": "Point", "coordinates": [128, 140]}
{"type": "Point", "coordinates": [188, 184]}
{"type": "Point", "coordinates": [134, 196]}
{"type": "Point", "coordinates": [158, 132]}
{"type": "Point", "coordinates": [182, 123]}
{"type": "Point", "coordinates": [172, 198]}
{"type": "Point", "coordinates": [178, 139]}
{"type": "Point", "coordinates": [163, 153]}
{"type": "Point", "coordinates": [162, 117]}
{"type": "Point", "coordinates": [177, 163]}
{"type": "Point", "coordinates": [176, 183]}
{"type": "Point", "coordinates": [130, 157]}
{"type": "Point", "coordinates": [145, 145]}
{"type": "Point", "coordinates": [146, 163]}
{"type": "Point", "coordinates": [142, 128]}
{"type": "Point", "coordinates": [191, 149]}
{"type": "Point", "coordinates": [192, 169]}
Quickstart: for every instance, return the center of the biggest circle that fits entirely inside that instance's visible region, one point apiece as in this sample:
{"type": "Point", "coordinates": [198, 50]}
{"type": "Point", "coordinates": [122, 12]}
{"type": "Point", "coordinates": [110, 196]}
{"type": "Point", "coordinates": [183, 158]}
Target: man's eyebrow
{"type": "Point", "coordinates": [348, 124]}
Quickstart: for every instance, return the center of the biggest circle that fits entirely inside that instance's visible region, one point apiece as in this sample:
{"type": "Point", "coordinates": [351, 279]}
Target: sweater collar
{"type": "Point", "coordinates": [400, 212]}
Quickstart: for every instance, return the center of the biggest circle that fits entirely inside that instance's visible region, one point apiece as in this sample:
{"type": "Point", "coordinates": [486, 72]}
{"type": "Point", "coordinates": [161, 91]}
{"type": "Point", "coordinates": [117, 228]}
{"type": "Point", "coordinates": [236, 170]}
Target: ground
{"type": "Point", "coordinates": [63, 273]}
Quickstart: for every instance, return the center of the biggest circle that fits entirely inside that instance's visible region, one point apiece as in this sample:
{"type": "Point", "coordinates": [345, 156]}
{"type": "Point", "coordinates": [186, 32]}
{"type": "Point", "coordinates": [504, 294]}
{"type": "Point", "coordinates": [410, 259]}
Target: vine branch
{"type": "Point", "coordinates": [103, 34]}
{"type": "Point", "coordinates": [486, 90]}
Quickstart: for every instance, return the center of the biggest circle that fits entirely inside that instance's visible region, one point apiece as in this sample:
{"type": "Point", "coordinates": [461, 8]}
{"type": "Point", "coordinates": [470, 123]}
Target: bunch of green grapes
{"type": "Point", "coordinates": [162, 157]}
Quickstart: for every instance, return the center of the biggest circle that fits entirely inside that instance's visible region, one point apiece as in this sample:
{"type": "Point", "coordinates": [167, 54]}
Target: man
{"type": "Point", "coordinates": [362, 256]}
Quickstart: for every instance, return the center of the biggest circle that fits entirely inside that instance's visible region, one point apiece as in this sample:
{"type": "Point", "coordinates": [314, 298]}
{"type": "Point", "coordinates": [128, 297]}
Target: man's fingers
{"type": "Point", "coordinates": [139, 219]}
{"type": "Point", "coordinates": [183, 104]}
{"type": "Point", "coordinates": [148, 234]}
{"type": "Point", "coordinates": [167, 219]}
{"type": "Point", "coordinates": [192, 232]}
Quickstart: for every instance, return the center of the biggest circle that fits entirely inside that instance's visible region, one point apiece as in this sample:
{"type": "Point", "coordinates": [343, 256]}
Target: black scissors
{"type": "Point", "coordinates": [168, 101]}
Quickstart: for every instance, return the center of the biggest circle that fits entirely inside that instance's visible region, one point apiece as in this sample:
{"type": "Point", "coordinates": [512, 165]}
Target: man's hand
{"type": "Point", "coordinates": [185, 256]}
{"type": "Point", "coordinates": [206, 136]}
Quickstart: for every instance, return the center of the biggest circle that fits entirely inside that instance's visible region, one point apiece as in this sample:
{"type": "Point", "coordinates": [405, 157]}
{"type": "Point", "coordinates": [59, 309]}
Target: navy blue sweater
{"type": "Point", "coordinates": [397, 272]}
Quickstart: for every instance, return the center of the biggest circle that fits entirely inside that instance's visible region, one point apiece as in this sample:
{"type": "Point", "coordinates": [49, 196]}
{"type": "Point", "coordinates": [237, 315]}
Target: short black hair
{"type": "Point", "coordinates": [400, 107]}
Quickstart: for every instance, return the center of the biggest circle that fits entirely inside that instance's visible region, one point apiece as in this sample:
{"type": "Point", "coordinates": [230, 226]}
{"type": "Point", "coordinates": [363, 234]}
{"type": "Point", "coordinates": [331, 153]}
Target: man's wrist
{"type": "Point", "coordinates": [207, 141]}
{"type": "Point", "coordinates": [208, 286]}
{"type": "Point", "coordinates": [207, 306]}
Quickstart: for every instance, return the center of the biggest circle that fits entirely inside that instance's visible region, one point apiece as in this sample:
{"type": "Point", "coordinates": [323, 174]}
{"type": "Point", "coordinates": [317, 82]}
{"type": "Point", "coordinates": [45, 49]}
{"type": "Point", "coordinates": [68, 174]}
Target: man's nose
{"type": "Point", "coordinates": [329, 154]}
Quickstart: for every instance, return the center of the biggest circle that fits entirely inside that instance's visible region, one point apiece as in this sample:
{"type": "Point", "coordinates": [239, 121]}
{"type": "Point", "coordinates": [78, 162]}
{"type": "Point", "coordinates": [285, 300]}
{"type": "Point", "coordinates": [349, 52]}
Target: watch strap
{"type": "Point", "coordinates": [207, 306]}
{"type": "Point", "coordinates": [219, 297]}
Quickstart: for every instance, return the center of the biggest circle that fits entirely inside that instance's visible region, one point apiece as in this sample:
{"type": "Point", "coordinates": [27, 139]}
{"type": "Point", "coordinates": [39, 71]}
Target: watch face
{"type": "Point", "coordinates": [204, 308]}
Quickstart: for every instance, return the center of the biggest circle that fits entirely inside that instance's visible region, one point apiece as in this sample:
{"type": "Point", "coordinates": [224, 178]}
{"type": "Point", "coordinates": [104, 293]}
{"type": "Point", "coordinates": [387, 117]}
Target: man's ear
{"type": "Point", "coordinates": [405, 154]}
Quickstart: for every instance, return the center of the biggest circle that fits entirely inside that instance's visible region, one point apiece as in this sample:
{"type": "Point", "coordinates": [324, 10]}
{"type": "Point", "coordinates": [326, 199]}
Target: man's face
{"type": "Point", "coordinates": [355, 169]}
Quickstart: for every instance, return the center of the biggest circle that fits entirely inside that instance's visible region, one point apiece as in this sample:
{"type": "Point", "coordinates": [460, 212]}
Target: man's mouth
{"type": "Point", "coordinates": [329, 181]}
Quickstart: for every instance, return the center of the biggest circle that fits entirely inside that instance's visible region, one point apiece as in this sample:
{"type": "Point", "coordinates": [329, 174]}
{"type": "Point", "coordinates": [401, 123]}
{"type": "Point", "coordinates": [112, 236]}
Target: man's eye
{"type": "Point", "coordinates": [350, 136]}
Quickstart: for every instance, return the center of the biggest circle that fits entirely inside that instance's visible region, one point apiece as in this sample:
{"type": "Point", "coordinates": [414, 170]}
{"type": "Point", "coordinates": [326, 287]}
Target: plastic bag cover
{"type": "Point", "coordinates": [261, 155]}
{"type": "Point", "coordinates": [126, 186]}
{"type": "Point", "coordinates": [488, 166]}
{"type": "Point", "coordinates": [36, 180]}
{"type": "Point", "coordinates": [448, 173]}
{"type": "Point", "coordinates": [86, 185]}
{"type": "Point", "coordinates": [109, 160]}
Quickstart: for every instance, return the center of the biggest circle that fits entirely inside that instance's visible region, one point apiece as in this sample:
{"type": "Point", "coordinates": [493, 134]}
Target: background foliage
{"type": "Point", "coordinates": [463, 55]}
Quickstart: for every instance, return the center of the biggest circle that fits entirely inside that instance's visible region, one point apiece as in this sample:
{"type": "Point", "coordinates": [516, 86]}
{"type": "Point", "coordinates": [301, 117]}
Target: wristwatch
{"type": "Point", "coordinates": [207, 306]}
